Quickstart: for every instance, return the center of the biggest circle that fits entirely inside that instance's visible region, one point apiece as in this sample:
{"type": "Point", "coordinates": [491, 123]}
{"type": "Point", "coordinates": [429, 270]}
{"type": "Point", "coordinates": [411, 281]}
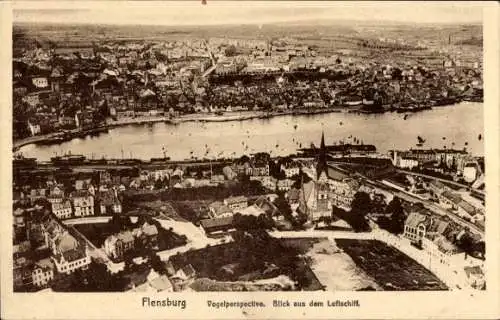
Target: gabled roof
{"type": "Point", "coordinates": [161, 283]}
{"type": "Point", "coordinates": [216, 222]}
{"type": "Point", "coordinates": [476, 270]}
{"type": "Point", "coordinates": [467, 207]}
{"type": "Point", "coordinates": [188, 270]}
{"type": "Point", "coordinates": [74, 254]}
{"type": "Point", "coordinates": [45, 264]}
{"type": "Point", "coordinates": [65, 204]}
{"type": "Point", "coordinates": [446, 246]}
{"type": "Point", "coordinates": [149, 229]}
{"type": "Point", "coordinates": [66, 242]}
{"type": "Point", "coordinates": [237, 199]}
{"type": "Point", "coordinates": [219, 207]}
{"type": "Point", "coordinates": [252, 210]}
{"type": "Point", "coordinates": [456, 198]}
{"type": "Point", "coordinates": [416, 218]}
{"type": "Point", "coordinates": [125, 236]}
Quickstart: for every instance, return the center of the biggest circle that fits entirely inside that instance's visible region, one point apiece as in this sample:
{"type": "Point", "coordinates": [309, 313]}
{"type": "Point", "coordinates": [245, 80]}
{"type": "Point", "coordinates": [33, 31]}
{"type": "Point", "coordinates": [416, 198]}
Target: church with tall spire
{"type": "Point", "coordinates": [327, 187]}
{"type": "Point", "coordinates": [321, 166]}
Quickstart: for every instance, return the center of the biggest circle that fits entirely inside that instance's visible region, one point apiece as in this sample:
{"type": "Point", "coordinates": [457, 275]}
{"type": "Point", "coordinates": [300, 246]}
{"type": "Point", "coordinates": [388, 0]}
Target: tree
{"type": "Point", "coordinates": [397, 216]}
{"type": "Point", "coordinates": [378, 203]}
{"type": "Point", "coordinates": [96, 278]}
{"type": "Point", "coordinates": [157, 264]}
{"type": "Point", "coordinates": [230, 51]}
{"type": "Point", "coordinates": [283, 206]}
{"type": "Point", "coordinates": [361, 204]}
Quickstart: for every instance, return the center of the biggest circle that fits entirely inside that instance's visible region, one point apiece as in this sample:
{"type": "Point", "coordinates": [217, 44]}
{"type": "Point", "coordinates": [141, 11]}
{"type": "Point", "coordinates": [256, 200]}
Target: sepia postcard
{"type": "Point", "coordinates": [264, 160]}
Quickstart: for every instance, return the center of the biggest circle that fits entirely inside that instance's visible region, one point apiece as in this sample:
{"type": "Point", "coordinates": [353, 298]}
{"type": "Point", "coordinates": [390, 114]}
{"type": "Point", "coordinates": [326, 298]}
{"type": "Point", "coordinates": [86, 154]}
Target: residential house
{"type": "Point", "coordinates": [185, 273]}
{"type": "Point", "coordinates": [291, 169]}
{"type": "Point", "coordinates": [437, 187]}
{"type": "Point", "coordinates": [260, 168]}
{"type": "Point", "coordinates": [43, 272]}
{"type": "Point", "coordinates": [19, 220]}
{"type": "Point", "coordinates": [32, 98]}
{"type": "Point", "coordinates": [235, 203]}
{"type": "Point", "coordinates": [154, 283]}
{"type": "Point", "coordinates": [217, 225]}
{"type": "Point", "coordinates": [39, 193]}
{"type": "Point", "coordinates": [34, 127]}
{"type": "Point", "coordinates": [22, 273]}
{"type": "Point", "coordinates": [84, 119]}
{"type": "Point", "coordinates": [63, 209]}
{"type": "Point", "coordinates": [109, 203]}
{"type": "Point", "coordinates": [284, 184]}
{"type": "Point", "coordinates": [40, 82]}
{"type": "Point", "coordinates": [252, 210]}
{"type": "Point", "coordinates": [146, 235]}
{"type": "Point", "coordinates": [56, 190]}
{"type": "Point", "coordinates": [243, 167]}
{"type": "Point", "coordinates": [82, 184]}
{"type": "Point", "coordinates": [83, 203]}
{"type": "Point", "coordinates": [449, 200]}
{"type": "Point", "coordinates": [266, 181]}
{"type": "Point", "coordinates": [218, 210]}
{"type": "Point", "coordinates": [217, 179]}
{"type": "Point", "coordinates": [55, 198]}
{"type": "Point", "coordinates": [115, 246]}
{"type": "Point", "coordinates": [151, 233]}
{"type": "Point", "coordinates": [416, 225]}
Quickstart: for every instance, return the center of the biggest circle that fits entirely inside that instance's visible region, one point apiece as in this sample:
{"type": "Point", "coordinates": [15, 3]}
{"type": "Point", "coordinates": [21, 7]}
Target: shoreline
{"type": "Point", "coordinates": [229, 116]}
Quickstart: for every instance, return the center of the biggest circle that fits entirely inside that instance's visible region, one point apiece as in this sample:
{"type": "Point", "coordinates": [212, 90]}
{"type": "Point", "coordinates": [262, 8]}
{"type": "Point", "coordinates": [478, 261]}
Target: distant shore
{"type": "Point", "coordinates": [58, 137]}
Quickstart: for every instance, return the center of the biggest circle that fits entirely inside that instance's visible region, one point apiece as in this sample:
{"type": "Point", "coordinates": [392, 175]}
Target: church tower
{"type": "Point", "coordinates": [322, 167]}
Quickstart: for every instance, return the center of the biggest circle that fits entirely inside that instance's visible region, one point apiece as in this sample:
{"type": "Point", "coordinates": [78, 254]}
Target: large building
{"type": "Point", "coordinates": [325, 188]}
{"type": "Point", "coordinates": [69, 254]}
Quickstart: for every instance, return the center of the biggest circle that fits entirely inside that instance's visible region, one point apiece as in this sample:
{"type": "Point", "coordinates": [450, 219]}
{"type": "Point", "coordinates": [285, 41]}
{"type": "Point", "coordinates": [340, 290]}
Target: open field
{"type": "Point", "coordinates": [391, 269]}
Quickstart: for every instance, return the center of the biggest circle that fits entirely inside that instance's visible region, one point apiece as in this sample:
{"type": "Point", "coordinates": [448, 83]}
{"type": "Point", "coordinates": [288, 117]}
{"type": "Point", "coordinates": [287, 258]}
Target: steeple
{"type": "Point", "coordinates": [322, 166]}
{"type": "Point", "coordinates": [322, 142]}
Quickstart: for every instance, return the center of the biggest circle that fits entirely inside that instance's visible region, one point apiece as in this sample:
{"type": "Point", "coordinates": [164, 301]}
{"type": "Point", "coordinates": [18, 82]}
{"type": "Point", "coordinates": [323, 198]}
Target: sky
{"type": "Point", "coordinates": [243, 12]}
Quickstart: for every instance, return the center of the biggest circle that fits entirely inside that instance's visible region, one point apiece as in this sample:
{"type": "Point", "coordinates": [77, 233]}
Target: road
{"type": "Point", "coordinates": [86, 220]}
{"type": "Point", "coordinates": [322, 234]}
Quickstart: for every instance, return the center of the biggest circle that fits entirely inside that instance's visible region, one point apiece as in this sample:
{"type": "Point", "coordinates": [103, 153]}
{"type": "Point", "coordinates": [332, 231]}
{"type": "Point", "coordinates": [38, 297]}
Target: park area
{"type": "Point", "coordinates": [247, 263]}
{"type": "Point", "coordinates": [391, 269]}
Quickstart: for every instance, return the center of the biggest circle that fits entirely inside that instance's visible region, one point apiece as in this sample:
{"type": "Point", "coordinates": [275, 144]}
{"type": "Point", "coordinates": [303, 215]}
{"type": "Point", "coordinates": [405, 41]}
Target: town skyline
{"type": "Point", "coordinates": [226, 13]}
